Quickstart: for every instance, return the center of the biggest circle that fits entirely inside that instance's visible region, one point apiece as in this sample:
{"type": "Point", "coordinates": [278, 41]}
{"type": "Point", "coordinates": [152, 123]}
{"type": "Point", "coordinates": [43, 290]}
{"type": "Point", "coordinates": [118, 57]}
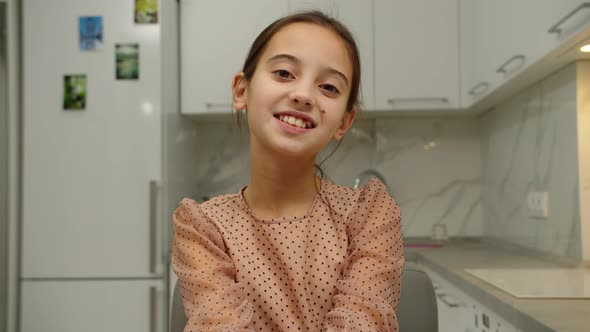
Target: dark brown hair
{"type": "Point", "coordinates": [314, 17]}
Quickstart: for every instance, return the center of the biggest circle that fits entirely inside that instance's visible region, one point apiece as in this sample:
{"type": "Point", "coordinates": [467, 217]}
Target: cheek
{"type": "Point", "coordinates": [265, 94]}
{"type": "Point", "coordinates": [335, 110]}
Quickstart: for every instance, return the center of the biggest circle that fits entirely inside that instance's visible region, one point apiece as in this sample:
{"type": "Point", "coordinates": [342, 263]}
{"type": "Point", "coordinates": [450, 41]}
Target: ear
{"type": "Point", "coordinates": [238, 87]}
{"type": "Point", "coordinates": [345, 124]}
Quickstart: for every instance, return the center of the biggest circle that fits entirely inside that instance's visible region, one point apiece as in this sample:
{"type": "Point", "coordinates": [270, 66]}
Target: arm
{"type": "Point", "coordinates": [369, 291]}
{"type": "Point", "coordinates": [213, 300]}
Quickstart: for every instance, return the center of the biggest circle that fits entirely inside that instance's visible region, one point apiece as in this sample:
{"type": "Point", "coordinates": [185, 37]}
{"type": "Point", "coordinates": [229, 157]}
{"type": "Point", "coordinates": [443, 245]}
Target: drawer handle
{"type": "Point", "coordinates": [503, 67]}
{"type": "Point", "coordinates": [449, 300]}
{"type": "Point", "coordinates": [479, 88]}
{"type": "Point", "coordinates": [392, 101]}
{"type": "Point", "coordinates": [555, 28]}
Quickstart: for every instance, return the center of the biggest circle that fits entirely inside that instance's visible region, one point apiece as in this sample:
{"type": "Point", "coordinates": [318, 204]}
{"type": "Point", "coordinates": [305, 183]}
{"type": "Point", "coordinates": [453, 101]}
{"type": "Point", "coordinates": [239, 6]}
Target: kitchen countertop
{"type": "Point", "coordinates": [535, 315]}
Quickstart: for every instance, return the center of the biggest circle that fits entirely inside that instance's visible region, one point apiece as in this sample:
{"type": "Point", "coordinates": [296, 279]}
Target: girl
{"type": "Point", "coordinates": [292, 251]}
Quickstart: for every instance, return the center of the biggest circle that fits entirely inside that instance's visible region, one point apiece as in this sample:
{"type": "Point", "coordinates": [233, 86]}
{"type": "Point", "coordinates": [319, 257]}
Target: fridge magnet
{"type": "Point", "coordinates": [127, 61]}
{"type": "Point", "coordinates": [146, 11]}
{"type": "Point", "coordinates": [90, 32]}
{"type": "Point", "coordinates": [75, 92]}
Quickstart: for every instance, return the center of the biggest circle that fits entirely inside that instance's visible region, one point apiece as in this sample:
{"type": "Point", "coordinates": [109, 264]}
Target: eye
{"type": "Point", "coordinates": [330, 88]}
{"type": "Point", "coordinates": [283, 73]}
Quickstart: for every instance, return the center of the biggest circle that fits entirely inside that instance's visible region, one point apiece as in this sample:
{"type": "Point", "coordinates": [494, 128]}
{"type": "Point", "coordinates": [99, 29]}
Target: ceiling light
{"type": "Point", "coordinates": [585, 48]}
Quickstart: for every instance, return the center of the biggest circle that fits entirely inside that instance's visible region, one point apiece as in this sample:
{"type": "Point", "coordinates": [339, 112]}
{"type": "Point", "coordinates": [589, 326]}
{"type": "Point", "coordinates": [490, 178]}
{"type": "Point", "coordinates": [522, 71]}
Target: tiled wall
{"type": "Point", "coordinates": [432, 167]}
{"type": "Point", "coordinates": [529, 143]}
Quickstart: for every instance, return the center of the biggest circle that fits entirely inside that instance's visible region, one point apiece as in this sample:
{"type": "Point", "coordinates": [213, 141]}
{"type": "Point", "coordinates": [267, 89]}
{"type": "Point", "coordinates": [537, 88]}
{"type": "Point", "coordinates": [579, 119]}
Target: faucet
{"type": "Point", "coordinates": [366, 175]}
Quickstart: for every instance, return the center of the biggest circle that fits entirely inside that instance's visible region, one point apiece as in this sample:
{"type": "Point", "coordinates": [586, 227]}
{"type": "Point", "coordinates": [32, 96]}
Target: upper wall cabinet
{"type": "Point", "coordinates": [416, 54]}
{"type": "Point", "coordinates": [408, 48]}
{"type": "Point", "coordinates": [500, 39]}
{"type": "Point", "coordinates": [358, 17]}
{"type": "Point", "coordinates": [214, 42]}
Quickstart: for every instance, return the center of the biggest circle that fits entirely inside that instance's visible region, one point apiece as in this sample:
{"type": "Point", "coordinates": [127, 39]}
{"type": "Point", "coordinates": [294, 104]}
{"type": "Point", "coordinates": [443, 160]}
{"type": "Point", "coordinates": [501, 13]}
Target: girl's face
{"type": "Point", "coordinates": [296, 100]}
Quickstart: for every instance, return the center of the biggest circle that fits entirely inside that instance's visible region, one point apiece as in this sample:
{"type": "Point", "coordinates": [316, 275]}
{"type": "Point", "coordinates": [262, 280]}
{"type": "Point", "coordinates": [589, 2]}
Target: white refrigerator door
{"type": "Point", "coordinates": [93, 306]}
{"type": "Point", "coordinates": [87, 173]}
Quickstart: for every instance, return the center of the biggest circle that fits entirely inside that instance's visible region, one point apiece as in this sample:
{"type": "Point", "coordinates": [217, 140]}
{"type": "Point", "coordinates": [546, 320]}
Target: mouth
{"type": "Point", "coordinates": [296, 120]}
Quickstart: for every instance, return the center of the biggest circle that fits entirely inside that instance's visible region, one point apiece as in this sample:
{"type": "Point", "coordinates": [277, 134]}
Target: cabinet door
{"type": "Point", "coordinates": [92, 306]}
{"type": "Point", "coordinates": [534, 39]}
{"type": "Point", "coordinates": [452, 306]}
{"type": "Point", "coordinates": [358, 18]}
{"type": "Point", "coordinates": [450, 312]}
{"type": "Point", "coordinates": [477, 76]}
{"type": "Point", "coordinates": [416, 54]}
{"type": "Point", "coordinates": [496, 46]}
{"type": "Point", "coordinates": [215, 37]}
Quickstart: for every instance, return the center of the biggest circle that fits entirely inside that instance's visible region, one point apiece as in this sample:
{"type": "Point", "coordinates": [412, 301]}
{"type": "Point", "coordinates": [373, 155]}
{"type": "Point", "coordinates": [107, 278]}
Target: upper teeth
{"type": "Point", "coordinates": [294, 121]}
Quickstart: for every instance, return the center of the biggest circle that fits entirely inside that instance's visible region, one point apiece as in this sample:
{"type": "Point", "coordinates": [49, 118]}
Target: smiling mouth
{"type": "Point", "coordinates": [295, 122]}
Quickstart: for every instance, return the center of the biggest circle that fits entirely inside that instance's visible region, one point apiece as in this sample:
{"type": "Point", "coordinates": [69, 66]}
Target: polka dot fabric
{"type": "Point", "coordinates": [336, 268]}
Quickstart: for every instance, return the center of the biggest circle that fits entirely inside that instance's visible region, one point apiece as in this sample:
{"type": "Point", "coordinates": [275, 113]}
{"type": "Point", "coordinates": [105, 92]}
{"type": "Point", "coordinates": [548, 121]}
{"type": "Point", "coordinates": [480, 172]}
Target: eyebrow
{"type": "Point", "coordinates": [297, 61]}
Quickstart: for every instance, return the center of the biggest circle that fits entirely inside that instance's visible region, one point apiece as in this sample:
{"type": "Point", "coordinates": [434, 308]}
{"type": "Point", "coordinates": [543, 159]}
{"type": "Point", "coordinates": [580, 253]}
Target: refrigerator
{"type": "Point", "coordinates": [96, 215]}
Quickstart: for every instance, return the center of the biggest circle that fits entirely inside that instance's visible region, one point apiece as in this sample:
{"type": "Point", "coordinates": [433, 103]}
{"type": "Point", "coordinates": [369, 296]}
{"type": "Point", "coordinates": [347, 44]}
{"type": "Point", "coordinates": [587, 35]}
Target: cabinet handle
{"type": "Point", "coordinates": [153, 309]}
{"type": "Point", "coordinates": [225, 106]}
{"type": "Point", "coordinates": [444, 298]}
{"type": "Point", "coordinates": [153, 225]}
{"type": "Point", "coordinates": [165, 239]}
{"type": "Point", "coordinates": [392, 101]}
{"type": "Point", "coordinates": [503, 67]}
{"type": "Point", "coordinates": [555, 28]}
{"type": "Point", "coordinates": [479, 88]}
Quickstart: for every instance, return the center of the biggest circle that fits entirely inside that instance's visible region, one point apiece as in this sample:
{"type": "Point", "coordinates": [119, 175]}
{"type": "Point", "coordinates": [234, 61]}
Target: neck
{"type": "Point", "coordinates": [280, 187]}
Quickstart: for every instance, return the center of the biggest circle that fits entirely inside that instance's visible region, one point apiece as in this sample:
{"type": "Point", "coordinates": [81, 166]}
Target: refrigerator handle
{"type": "Point", "coordinates": [153, 309]}
{"type": "Point", "coordinates": [153, 225]}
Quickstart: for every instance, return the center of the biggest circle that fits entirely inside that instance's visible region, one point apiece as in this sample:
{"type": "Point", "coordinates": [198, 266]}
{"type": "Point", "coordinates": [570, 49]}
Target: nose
{"type": "Point", "coordinates": [302, 96]}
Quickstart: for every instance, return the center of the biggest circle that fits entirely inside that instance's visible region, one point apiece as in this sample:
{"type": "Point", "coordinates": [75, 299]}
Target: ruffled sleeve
{"type": "Point", "coordinates": [212, 299]}
{"type": "Point", "coordinates": [369, 291]}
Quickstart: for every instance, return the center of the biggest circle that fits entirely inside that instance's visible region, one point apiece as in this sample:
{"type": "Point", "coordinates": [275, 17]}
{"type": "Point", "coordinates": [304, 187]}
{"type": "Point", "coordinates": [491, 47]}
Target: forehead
{"type": "Point", "coordinates": [311, 43]}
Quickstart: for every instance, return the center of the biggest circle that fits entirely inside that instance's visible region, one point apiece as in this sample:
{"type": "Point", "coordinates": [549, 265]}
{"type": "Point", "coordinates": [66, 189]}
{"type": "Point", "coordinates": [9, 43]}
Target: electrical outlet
{"type": "Point", "coordinates": [538, 204]}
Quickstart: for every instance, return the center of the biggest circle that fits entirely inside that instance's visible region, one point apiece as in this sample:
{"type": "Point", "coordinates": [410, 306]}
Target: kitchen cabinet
{"type": "Point", "coordinates": [358, 17]}
{"type": "Point", "coordinates": [214, 43]}
{"type": "Point", "coordinates": [416, 55]}
{"type": "Point", "coordinates": [497, 45]}
{"type": "Point", "coordinates": [459, 312]}
{"type": "Point", "coordinates": [454, 313]}
{"type": "Point", "coordinates": [405, 65]}
{"type": "Point", "coordinates": [92, 306]}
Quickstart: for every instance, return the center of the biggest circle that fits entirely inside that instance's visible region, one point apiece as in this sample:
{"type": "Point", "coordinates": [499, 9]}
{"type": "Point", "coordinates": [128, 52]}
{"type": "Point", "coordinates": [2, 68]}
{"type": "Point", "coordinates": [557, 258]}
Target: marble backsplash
{"type": "Point", "coordinates": [529, 143]}
{"type": "Point", "coordinates": [431, 166]}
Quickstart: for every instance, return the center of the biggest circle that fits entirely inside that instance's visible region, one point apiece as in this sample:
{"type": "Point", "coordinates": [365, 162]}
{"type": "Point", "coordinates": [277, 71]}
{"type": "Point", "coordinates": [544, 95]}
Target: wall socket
{"type": "Point", "coordinates": [538, 204]}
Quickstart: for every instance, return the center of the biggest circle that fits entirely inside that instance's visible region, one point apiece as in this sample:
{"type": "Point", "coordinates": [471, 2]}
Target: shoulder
{"type": "Point", "coordinates": [374, 209]}
{"type": "Point", "coordinates": [192, 222]}
{"type": "Point", "coordinates": [222, 202]}
{"type": "Point", "coordinates": [340, 198]}
{"type": "Point", "coordinates": [375, 202]}
{"type": "Point", "coordinates": [374, 189]}
{"type": "Point", "coordinates": [344, 200]}
{"type": "Point", "coordinates": [356, 204]}
{"type": "Point", "coordinates": [341, 194]}
{"type": "Point", "coordinates": [191, 209]}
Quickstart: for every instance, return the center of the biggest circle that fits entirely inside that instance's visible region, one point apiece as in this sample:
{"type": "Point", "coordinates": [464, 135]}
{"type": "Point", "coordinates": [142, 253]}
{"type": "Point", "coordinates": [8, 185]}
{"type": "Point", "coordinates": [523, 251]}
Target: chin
{"type": "Point", "coordinates": [294, 152]}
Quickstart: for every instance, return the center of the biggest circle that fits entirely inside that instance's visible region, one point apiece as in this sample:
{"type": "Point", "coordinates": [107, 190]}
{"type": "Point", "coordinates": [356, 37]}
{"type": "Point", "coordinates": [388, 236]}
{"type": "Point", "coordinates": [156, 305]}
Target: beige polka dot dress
{"type": "Point", "coordinates": [336, 268]}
